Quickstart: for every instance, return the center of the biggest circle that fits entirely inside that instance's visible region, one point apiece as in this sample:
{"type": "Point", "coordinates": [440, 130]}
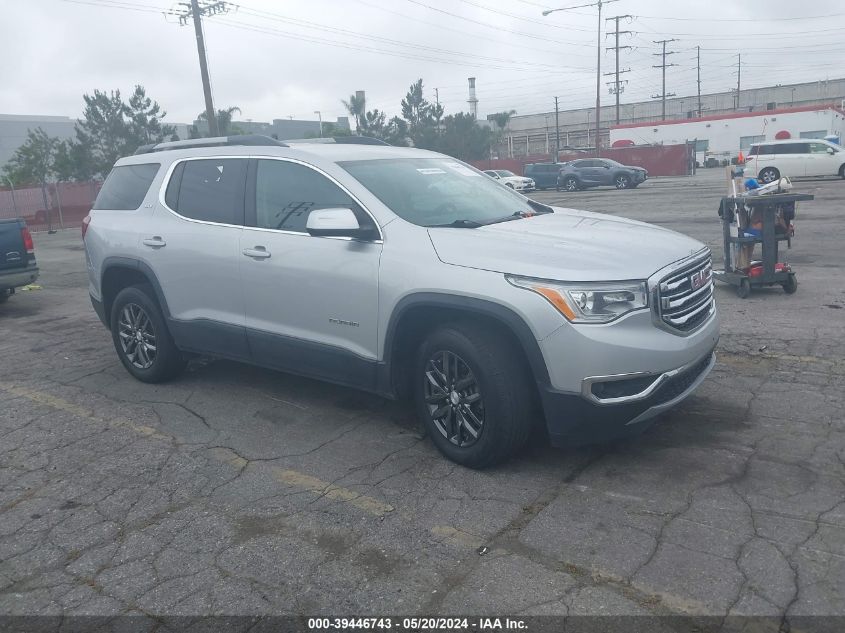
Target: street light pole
{"type": "Point", "coordinates": [598, 4]}
{"type": "Point", "coordinates": [320, 117]}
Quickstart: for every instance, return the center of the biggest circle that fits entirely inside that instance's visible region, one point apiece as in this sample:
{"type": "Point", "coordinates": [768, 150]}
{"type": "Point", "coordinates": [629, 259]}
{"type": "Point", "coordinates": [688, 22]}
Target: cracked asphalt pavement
{"type": "Point", "coordinates": [235, 490]}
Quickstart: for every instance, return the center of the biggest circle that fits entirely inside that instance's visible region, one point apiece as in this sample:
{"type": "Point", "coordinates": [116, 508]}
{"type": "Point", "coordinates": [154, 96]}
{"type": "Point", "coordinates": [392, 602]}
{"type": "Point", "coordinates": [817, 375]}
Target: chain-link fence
{"type": "Point", "coordinates": [57, 206]}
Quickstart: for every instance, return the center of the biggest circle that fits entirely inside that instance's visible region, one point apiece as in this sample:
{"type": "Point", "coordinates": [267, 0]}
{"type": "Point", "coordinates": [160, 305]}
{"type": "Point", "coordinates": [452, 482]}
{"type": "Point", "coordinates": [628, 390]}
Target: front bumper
{"type": "Point", "coordinates": [574, 420]}
{"type": "Point", "coordinates": [18, 278]}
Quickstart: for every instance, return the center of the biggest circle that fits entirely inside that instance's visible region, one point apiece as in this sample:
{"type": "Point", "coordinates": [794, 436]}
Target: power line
{"type": "Point", "coordinates": [663, 65]}
{"type": "Point", "coordinates": [618, 88]}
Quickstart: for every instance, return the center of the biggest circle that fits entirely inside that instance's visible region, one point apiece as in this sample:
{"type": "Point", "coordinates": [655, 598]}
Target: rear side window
{"type": "Point", "coordinates": [126, 187]}
{"type": "Point", "coordinates": [285, 193]}
{"type": "Point", "coordinates": [794, 148]}
{"type": "Point", "coordinates": [210, 189]}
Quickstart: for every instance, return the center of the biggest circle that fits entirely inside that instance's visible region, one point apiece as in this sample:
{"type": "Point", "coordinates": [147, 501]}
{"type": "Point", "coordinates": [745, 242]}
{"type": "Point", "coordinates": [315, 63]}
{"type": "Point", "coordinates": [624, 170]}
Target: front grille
{"type": "Point", "coordinates": [685, 296]}
{"type": "Point", "coordinates": [677, 385]}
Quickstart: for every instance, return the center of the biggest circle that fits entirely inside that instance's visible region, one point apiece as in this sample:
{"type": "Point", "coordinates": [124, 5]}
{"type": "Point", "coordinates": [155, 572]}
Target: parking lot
{"type": "Point", "coordinates": [235, 490]}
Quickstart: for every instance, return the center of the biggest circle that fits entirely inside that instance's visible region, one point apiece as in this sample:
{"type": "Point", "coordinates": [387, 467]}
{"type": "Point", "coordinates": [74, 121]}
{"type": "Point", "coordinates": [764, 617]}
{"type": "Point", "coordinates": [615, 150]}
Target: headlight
{"type": "Point", "coordinates": [599, 302]}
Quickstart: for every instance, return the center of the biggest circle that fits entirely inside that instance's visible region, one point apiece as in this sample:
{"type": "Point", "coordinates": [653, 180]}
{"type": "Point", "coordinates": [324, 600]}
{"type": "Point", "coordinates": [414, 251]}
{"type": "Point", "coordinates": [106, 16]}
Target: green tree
{"type": "Point", "coordinates": [34, 161]}
{"type": "Point", "coordinates": [224, 123]}
{"type": "Point", "coordinates": [145, 119]}
{"type": "Point", "coordinates": [463, 138]}
{"type": "Point", "coordinates": [357, 107]}
{"type": "Point", "coordinates": [502, 119]}
{"type": "Point", "coordinates": [421, 116]}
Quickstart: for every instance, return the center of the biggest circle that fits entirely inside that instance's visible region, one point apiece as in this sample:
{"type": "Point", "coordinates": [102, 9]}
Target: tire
{"type": "Point", "coordinates": [743, 289]}
{"type": "Point", "coordinates": [4, 295]}
{"type": "Point", "coordinates": [570, 183]}
{"type": "Point", "coordinates": [769, 174]}
{"type": "Point", "coordinates": [622, 181]}
{"type": "Point", "coordinates": [487, 420]}
{"type": "Point", "coordinates": [842, 171]}
{"type": "Point", "coordinates": [508, 184]}
{"type": "Point", "coordinates": [791, 284]}
{"type": "Point", "coordinates": [137, 325]}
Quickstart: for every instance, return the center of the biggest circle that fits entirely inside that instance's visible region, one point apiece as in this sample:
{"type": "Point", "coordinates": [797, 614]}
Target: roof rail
{"type": "Point", "coordinates": [341, 140]}
{"type": "Point", "coordinates": [217, 141]}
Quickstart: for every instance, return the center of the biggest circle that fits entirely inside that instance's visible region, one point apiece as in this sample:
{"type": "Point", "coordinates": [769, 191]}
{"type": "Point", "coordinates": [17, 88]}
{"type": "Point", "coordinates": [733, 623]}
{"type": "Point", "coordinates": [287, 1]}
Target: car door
{"type": "Point", "coordinates": [588, 171]}
{"type": "Point", "coordinates": [820, 161]}
{"type": "Point", "coordinates": [311, 303]}
{"type": "Point", "coordinates": [791, 159]}
{"type": "Point", "coordinates": [604, 172]}
{"type": "Point", "coordinates": [192, 245]}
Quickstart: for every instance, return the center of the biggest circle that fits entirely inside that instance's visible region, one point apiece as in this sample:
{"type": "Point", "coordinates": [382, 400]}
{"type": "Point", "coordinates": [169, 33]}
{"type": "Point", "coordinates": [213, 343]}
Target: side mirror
{"type": "Point", "coordinates": [335, 222]}
{"type": "Point", "coordinates": [831, 151]}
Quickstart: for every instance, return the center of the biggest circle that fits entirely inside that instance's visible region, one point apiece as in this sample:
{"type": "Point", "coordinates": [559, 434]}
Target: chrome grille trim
{"type": "Point", "coordinates": [680, 306]}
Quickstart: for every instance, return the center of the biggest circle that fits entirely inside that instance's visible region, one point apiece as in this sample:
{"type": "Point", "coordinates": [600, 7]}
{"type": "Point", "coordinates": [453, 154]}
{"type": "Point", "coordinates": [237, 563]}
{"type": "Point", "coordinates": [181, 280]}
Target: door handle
{"type": "Point", "coordinates": [154, 242]}
{"type": "Point", "coordinates": [259, 252]}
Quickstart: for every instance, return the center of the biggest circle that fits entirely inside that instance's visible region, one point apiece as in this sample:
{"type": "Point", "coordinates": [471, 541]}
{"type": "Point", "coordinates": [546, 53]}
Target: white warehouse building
{"type": "Point", "coordinates": [723, 136]}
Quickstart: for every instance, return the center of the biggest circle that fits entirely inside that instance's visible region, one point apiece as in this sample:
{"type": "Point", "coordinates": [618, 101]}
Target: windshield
{"type": "Point", "coordinates": [504, 173]}
{"type": "Point", "coordinates": [438, 191]}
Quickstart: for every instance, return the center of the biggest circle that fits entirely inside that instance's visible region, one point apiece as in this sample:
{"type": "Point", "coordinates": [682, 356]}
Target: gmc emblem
{"type": "Point", "coordinates": [700, 278]}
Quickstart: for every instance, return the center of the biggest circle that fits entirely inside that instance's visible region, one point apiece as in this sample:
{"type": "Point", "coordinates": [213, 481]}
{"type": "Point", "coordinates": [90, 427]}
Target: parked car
{"type": "Point", "coordinates": [17, 257]}
{"type": "Point", "coordinates": [510, 179]}
{"type": "Point", "coordinates": [795, 159]}
{"type": "Point", "coordinates": [597, 172]}
{"type": "Point", "coordinates": [544, 175]}
{"type": "Point", "coordinates": [402, 272]}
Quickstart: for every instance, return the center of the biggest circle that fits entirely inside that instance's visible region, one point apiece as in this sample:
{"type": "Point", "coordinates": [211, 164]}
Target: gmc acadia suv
{"type": "Point", "coordinates": [405, 273]}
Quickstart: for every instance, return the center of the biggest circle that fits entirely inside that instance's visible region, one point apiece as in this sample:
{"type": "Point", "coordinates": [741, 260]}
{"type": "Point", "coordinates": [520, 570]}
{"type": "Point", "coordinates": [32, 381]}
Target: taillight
{"type": "Point", "coordinates": [85, 222]}
{"type": "Point", "coordinates": [27, 240]}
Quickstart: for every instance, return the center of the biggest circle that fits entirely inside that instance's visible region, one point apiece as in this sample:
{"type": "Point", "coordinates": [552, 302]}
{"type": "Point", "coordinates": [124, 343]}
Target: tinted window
{"type": "Point", "coordinates": [126, 187]}
{"type": "Point", "coordinates": [581, 164]}
{"type": "Point", "coordinates": [767, 150]}
{"type": "Point", "coordinates": [211, 190]}
{"type": "Point", "coordinates": [794, 148]}
{"type": "Point", "coordinates": [285, 193]}
{"type": "Point", "coordinates": [818, 148]}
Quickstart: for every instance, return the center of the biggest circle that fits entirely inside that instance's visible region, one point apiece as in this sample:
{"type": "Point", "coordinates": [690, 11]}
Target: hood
{"type": "Point", "coordinates": [566, 245]}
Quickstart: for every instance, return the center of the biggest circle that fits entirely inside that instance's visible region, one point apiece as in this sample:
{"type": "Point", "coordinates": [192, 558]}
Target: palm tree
{"type": "Point", "coordinates": [357, 107]}
{"type": "Point", "coordinates": [502, 118]}
{"type": "Point", "coordinates": [224, 119]}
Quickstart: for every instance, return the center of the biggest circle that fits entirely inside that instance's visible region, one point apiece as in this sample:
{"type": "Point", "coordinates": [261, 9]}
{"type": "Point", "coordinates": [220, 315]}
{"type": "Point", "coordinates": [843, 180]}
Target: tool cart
{"type": "Point", "coordinates": [766, 213]}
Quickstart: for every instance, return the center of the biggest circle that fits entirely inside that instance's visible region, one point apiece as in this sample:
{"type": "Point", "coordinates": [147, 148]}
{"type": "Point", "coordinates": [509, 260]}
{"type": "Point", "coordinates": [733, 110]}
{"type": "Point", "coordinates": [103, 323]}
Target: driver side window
{"type": "Point", "coordinates": [286, 192]}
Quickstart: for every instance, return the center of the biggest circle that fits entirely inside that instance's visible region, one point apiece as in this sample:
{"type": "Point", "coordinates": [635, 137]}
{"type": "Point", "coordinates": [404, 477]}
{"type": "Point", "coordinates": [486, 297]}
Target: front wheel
{"type": "Point", "coordinates": [622, 181]}
{"type": "Point", "coordinates": [141, 338]}
{"type": "Point", "coordinates": [769, 174]}
{"type": "Point", "coordinates": [472, 394]}
{"type": "Point", "coordinates": [509, 184]}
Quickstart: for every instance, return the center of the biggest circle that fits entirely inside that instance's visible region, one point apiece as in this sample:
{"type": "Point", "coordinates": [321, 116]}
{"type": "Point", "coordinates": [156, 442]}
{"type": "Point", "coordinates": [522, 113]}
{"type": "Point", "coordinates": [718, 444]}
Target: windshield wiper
{"type": "Point", "coordinates": [458, 224]}
{"type": "Point", "coordinates": [517, 215]}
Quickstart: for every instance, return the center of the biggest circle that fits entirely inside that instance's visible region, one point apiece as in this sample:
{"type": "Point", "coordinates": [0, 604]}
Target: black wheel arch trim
{"type": "Point", "coordinates": [143, 268]}
{"type": "Point", "coordinates": [504, 315]}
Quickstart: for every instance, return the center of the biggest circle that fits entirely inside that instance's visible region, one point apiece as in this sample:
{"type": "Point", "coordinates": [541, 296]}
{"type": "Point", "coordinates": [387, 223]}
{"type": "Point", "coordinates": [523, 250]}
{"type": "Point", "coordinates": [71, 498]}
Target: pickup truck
{"type": "Point", "coordinates": [17, 257]}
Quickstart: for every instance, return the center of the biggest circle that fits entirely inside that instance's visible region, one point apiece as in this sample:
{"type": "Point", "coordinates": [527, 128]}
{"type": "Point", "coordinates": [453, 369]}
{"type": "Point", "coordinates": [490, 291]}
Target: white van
{"type": "Point", "coordinates": [795, 158]}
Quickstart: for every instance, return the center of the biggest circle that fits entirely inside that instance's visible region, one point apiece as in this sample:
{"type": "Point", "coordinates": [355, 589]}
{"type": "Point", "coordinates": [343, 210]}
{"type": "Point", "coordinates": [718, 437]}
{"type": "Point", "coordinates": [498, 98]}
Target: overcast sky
{"type": "Point", "coordinates": [280, 58]}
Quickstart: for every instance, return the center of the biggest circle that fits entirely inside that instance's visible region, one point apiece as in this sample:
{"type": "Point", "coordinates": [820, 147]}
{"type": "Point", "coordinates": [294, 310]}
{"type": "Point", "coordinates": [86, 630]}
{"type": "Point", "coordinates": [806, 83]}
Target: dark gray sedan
{"type": "Point", "coordinates": [596, 172]}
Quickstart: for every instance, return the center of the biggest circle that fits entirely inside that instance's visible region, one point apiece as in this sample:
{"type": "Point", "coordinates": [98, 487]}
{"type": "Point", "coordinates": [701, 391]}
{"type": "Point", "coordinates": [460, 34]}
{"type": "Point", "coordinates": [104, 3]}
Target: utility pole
{"type": "Point", "coordinates": [196, 10]}
{"type": "Point", "coordinates": [738, 78]}
{"type": "Point", "coordinates": [664, 65]}
{"type": "Point", "coordinates": [599, 4]}
{"type": "Point", "coordinates": [437, 96]}
{"type": "Point", "coordinates": [698, 78]}
{"type": "Point", "coordinates": [557, 134]}
{"type": "Point", "coordinates": [320, 118]}
{"type": "Point", "coordinates": [618, 88]}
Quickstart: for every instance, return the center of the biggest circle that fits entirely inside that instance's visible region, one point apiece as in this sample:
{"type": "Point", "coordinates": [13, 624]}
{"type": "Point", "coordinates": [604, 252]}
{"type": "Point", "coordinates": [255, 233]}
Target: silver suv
{"type": "Point", "coordinates": [405, 273]}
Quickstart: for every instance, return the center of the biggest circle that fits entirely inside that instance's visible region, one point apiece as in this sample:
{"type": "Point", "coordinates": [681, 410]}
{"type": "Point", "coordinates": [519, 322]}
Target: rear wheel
{"type": "Point", "coordinates": [472, 394]}
{"type": "Point", "coordinates": [842, 171]}
{"type": "Point", "coordinates": [791, 284]}
{"type": "Point", "coordinates": [570, 183]}
{"type": "Point", "coordinates": [141, 337]}
{"type": "Point", "coordinates": [743, 289]}
{"type": "Point", "coordinates": [769, 174]}
{"type": "Point", "coordinates": [622, 181]}
{"type": "Point", "coordinates": [4, 295]}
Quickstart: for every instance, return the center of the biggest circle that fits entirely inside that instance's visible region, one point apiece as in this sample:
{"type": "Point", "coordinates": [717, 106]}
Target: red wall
{"type": "Point", "coordinates": [658, 160]}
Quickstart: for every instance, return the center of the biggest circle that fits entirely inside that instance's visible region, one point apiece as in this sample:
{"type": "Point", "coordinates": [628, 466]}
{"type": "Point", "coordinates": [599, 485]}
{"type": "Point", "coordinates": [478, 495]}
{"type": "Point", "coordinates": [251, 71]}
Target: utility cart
{"type": "Point", "coordinates": [737, 213]}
